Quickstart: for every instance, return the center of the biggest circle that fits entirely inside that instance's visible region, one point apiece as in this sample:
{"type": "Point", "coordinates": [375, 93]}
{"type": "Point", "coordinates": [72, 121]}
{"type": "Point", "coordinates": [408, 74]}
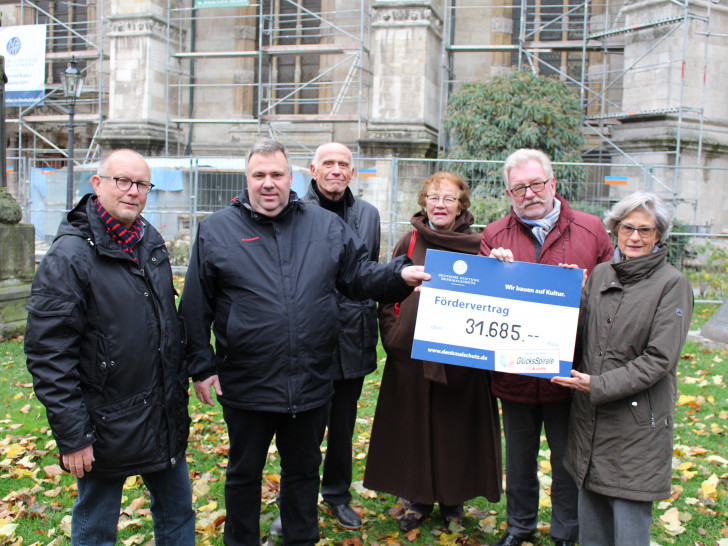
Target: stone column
{"type": "Point", "coordinates": [138, 98]}
{"type": "Point", "coordinates": [406, 52]}
{"type": "Point", "coordinates": [17, 264]}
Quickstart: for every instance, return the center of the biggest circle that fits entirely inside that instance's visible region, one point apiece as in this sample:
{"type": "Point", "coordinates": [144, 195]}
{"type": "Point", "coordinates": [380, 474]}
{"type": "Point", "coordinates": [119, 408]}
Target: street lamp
{"type": "Point", "coordinates": [72, 86]}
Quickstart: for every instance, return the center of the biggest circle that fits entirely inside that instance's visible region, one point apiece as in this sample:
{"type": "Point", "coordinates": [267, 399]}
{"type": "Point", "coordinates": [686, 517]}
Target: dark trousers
{"type": "Point", "coordinates": [342, 419]}
{"type": "Point", "coordinates": [522, 426]}
{"type": "Point", "coordinates": [298, 438]}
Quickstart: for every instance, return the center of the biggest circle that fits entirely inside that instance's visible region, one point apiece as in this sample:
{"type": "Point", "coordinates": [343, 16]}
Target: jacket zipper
{"type": "Point", "coordinates": [157, 306]}
{"type": "Point", "coordinates": [652, 416]}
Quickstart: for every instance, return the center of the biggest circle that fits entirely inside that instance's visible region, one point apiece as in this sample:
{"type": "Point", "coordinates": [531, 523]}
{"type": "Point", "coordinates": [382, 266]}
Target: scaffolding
{"type": "Point", "coordinates": [294, 65]}
{"type": "Point", "coordinates": [583, 43]}
{"type": "Point", "coordinates": [298, 66]}
{"type": "Point", "coordinates": [76, 31]}
{"type": "Point", "coordinates": [299, 71]}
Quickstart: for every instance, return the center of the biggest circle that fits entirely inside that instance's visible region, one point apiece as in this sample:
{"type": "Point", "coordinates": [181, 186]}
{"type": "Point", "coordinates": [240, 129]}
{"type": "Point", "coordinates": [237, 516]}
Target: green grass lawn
{"type": "Point", "coordinates": [36, 498]}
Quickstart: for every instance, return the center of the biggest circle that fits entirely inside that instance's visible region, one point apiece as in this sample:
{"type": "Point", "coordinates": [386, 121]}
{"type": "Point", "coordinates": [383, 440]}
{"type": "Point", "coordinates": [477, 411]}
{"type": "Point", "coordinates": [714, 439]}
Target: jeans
{"type": "Point", "coordinates": [298, 438]}
{"type": "Point", "coordinates": [342, 419]}
{"type": "Point", "coordinates": [522, 425]}
{"type": "Point", "coordinates": [96, 510]}
{"type": "Point", "coordinates": [609, 521]}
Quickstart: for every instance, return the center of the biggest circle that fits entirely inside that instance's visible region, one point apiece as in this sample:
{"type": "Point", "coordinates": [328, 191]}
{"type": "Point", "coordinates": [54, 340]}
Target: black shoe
{"type": "Point", "coordinates": [276, 527]}
{"type": "Point", "coordinates": [510, 540]}
{"type": "Point", "coordinates": [345, 516]}
{"type": "Point", "coordinates": [411, 520]}
{"type": "Point", "coordinates": [559, 542]}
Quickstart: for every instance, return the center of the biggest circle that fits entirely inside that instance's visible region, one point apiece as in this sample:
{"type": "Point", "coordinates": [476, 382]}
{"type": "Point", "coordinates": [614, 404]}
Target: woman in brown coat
{"type": "Point", "coordinates": [436, 432]}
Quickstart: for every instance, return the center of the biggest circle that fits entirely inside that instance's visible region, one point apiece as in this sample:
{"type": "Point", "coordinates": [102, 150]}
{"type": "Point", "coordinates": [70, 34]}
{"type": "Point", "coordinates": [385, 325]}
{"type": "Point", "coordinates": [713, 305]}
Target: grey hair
{"type": "Point", "coordinates": [641, 200]}
{"type": "Point", "coordinates": [269, 146]}
{"type": "Point", "coordinates": [317, 153]}
{"type": "Point", "coordinates": [523, 156]}
{"type": "Point", "coordinates": [105, 160]}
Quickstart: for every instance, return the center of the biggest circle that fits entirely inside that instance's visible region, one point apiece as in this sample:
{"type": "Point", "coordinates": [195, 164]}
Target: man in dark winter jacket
{"type": "Point", "coordinates": [541, 228]}
{"type": "Point", "coordinates": [264, 273]}
{"type": "Point", "coordinates": [355, 348]}
{"type": "Point", "coordinates": [105, 348]}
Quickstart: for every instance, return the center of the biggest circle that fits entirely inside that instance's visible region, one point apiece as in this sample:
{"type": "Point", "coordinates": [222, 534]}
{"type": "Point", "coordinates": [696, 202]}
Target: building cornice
{"type": "Point", "coordinates": [140, 25]}
{"type": "Point", "coordinates": [406, 14]}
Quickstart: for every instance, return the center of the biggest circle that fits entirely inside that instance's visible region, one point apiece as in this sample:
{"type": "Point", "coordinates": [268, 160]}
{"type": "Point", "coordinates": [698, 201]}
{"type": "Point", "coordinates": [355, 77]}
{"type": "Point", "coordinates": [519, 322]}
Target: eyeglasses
{"type": "Point", "coordinates": [627, 230]}
{"type": "Point", "coordinates": [536, 187]}
{"type": "Point", "coordinates": [124, 183]}
{"type": "Point", "coordinates": [447, 200]}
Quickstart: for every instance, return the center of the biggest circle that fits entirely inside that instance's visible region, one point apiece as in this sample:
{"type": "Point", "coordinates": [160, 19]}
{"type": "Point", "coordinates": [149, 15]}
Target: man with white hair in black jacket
{"type": "Point", "coordinates": [355, 348]}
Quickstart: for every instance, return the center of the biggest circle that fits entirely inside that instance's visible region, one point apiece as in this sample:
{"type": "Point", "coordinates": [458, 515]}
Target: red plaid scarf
{"type": "Point", "coordinates": [127, 238]}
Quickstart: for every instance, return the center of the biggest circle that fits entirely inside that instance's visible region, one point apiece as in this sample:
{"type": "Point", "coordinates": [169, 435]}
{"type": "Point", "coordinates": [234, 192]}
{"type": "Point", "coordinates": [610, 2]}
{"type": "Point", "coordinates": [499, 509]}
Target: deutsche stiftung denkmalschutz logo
{"type": "Point", "coordinates": [13, 46]}
{"type": "Point", "coordinates": [460, 267]}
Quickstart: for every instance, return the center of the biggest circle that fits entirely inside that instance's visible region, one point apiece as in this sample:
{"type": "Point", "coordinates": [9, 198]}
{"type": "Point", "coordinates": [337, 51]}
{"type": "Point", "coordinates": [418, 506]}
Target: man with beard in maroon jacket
{"type": "Point", "coordinates": [541, 228]}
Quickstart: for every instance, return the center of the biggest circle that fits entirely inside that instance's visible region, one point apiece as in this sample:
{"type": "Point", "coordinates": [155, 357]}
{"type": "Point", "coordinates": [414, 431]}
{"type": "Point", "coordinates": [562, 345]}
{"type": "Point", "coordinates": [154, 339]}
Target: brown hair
{"type": "Point", "coordinates": [464, 198]}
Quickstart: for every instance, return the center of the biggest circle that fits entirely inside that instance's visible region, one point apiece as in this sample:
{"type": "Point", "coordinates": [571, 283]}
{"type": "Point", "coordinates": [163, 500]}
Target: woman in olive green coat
{"type": "Point", "coordinates": [635, 314]}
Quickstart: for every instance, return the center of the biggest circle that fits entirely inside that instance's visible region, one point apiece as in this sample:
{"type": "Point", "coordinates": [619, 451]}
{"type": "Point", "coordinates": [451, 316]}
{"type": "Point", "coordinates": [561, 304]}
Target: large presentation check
{"type": "Point", "coordinates": [508, 317]}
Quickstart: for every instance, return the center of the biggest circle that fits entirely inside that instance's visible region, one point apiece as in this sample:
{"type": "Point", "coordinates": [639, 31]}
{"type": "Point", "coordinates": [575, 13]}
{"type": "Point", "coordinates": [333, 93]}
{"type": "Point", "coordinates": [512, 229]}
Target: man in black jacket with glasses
{"type": "Point", "coordinates": [105, 348]}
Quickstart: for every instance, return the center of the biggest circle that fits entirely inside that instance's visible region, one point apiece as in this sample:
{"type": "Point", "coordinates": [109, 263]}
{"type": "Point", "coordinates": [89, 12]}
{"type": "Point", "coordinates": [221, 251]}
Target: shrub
{"type": "Point", "coordinates": [489, 120]}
